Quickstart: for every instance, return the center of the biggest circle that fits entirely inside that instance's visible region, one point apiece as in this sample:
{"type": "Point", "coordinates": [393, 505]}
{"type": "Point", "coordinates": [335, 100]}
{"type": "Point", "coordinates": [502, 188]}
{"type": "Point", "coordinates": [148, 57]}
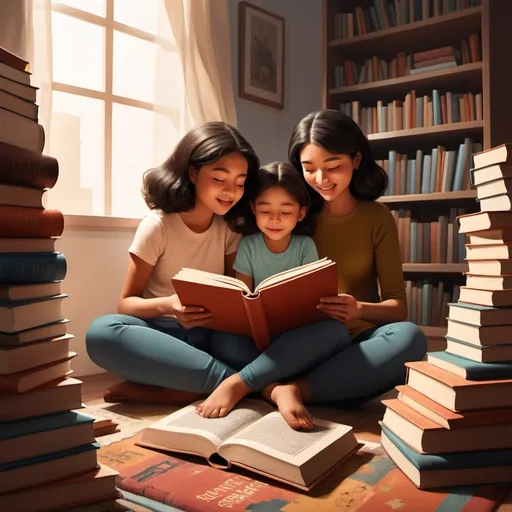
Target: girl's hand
{"type": "Point", "coordinates": [342, 307]}
{"type": "Point", "coordinates": [188, 316]}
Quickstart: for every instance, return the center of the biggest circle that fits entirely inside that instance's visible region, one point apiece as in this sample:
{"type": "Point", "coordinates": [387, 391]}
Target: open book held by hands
{"type": "Point", "coordinates": [254, 436]}
{"type": "Point", "coordinates": [279, 303]}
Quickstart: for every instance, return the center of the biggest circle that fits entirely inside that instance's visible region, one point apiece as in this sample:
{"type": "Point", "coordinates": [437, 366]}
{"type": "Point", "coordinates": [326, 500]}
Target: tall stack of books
{"type": "Point", "coordinates": [48, 451]}
{"type": "Point", "coordinates": [452, 422]}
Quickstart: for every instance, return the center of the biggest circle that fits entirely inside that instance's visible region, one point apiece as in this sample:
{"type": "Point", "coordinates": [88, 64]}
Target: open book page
{"type": "Point", "coordinates": [274, 437]}
{"type": "Point", "coordinates": [216, 430]}
{"type": "Point", "coordinates": [202, 277]}
{"type": "Point", "coordinates": [291, 273]}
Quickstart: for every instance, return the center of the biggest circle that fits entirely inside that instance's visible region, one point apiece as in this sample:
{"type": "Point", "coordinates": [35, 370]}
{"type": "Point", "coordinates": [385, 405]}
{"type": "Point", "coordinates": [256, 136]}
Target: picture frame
{"type": "Point", "coordinates": [261, 52]}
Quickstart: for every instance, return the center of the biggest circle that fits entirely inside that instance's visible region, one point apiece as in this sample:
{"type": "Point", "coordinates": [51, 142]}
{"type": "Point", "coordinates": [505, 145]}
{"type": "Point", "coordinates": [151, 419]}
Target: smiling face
{"type": "Point", "coordinates": [328, 173]}
{"type": "Point", "coordinates": [220, 185]}
{"type": "Point", "coordinates": [277, 213]}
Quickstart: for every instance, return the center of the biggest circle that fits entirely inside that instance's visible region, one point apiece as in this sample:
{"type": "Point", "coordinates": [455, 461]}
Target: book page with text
{"type": "Point", "coordinates": [217, 430]}
{"type": "Point", "coordinates": [202, 277]}
{"type": "Point", "coordinates": [273, 436]}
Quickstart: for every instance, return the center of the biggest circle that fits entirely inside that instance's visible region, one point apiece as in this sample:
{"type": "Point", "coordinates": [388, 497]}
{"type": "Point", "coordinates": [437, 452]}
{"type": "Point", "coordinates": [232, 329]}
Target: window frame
{"type": "Point", "coordinates": [108, 96]}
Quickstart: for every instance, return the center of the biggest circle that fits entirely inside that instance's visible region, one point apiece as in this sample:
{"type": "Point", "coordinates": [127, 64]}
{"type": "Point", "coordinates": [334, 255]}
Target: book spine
{"type": "Point", "coordinates": [19, 221]}
{"type": "Point", "coordinates": [27, 268]}
{"type": "Point", "coordinates": [257, 321]}
{"type": "Point", "coordinates": [27, 168]}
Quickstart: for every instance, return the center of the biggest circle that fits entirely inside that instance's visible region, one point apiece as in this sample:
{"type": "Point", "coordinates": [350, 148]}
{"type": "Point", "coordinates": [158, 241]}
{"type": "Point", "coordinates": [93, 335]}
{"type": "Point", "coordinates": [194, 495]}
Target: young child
{"type": "Point", "coordinates": [281, 226]}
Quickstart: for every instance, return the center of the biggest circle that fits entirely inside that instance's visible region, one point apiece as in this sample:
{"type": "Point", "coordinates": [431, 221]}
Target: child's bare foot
{"type": "Point", "coordinates": [223, 398]}
{"type": "Point", "coordinates": [288, 399]}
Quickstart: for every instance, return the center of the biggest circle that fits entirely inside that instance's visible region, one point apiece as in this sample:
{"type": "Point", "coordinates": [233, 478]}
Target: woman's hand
{"type": "Point", "coordinates": [188, 316]}
{"type": "Point", "coordinates": [341, 307]}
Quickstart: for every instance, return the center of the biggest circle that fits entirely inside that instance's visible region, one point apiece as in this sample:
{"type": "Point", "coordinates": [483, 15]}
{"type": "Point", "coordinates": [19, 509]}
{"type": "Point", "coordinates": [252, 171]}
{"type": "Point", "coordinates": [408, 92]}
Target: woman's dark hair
{"type": "Point", "coordinates": [339, 134]}
{"type": "Point", "coordinates": [168, 186]}
{"type": "Point", "coordinates": [284, 175]}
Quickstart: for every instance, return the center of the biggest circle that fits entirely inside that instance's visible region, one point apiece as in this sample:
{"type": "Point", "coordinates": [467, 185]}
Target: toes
{"type": "Point", "coordinates": [223, 411]}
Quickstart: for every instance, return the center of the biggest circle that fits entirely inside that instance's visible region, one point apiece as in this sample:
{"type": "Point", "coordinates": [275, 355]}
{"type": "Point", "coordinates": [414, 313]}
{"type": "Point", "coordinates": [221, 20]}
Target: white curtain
{"type": "Point", "coordinates": [201, 30]}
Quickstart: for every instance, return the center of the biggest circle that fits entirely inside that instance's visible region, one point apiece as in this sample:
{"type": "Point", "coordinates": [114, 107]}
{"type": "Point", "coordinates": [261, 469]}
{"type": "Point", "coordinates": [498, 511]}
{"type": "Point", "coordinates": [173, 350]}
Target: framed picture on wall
{"type": "Point", "coordinates": [260, 55]}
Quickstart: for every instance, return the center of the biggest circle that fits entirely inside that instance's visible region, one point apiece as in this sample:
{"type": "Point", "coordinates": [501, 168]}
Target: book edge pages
{"type": "Point", "coordinates": [317, 480]}
{"type": "Point", "coordinates": [210, 278]}
{"type": "Point", "coordinates": [293, 273]}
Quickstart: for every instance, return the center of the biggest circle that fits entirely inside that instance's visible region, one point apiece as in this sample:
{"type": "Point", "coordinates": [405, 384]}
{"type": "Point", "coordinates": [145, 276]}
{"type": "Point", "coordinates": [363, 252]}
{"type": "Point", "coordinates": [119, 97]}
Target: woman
{"type": "Point", "coordinates": [335, 158]}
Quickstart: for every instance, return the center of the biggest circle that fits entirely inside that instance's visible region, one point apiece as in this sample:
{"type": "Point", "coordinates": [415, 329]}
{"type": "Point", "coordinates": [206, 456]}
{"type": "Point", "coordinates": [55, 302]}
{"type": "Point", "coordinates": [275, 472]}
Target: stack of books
{"type": "Point", "coordinates": [452, 422]}
{"type": "Point", "coordinates": [48, 451]}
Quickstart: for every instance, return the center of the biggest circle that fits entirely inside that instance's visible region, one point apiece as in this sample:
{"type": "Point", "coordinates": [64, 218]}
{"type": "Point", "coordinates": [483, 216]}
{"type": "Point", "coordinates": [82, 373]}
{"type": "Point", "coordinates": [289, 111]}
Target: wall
{"type": "Point", "coordinates": [266, 128]}
{"type": "Point", "coordinates": [97, 256]}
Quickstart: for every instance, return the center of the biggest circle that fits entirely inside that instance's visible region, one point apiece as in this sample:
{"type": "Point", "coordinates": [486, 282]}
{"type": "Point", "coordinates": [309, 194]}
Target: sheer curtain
{"type": "Point", "coordinates": [201, 30]}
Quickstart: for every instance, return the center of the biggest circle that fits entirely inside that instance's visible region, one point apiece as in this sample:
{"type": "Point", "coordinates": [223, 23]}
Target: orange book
{"type": "Point", "coordinates": [279, 303]}
{"type": "Point", "coordinates": [455, 392]}
{"type": "Point", "coordinates": [449, 419]}
{"type": "Point", "coordinates": [19, 221]}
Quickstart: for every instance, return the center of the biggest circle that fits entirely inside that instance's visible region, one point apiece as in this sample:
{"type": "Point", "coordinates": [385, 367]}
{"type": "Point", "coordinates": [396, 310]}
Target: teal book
{"type": "Point", "coordinates": [480, 315]}
{"type": "Point", "coordinates": [460, 460]}
{"type": "Point", "coordinates": [471, 370]}
{"type": "Point", "coordinates": [30, 426]}
{"type": "Point", "coordinates": [32, 267]}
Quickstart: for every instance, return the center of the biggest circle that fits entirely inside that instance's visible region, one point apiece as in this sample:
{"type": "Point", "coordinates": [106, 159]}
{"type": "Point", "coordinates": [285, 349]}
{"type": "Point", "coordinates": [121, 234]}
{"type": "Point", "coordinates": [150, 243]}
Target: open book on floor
{"type": "Point", "coordinates": [279, 303]}
{"type": "Point", "coordinates": [254, 436]}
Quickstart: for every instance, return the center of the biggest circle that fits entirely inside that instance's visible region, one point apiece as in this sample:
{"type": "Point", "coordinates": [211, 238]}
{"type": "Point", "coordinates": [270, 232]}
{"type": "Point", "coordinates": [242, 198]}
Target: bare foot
{"type": "Point", "coordinates": [142, 393]}
{"type": "Point", "coordinates": [223, 398]}
{"type": "Point", "coordinates": [288, 399]}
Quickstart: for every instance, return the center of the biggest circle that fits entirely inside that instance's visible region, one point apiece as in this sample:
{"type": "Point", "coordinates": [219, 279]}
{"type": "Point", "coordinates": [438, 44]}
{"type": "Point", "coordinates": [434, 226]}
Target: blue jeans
{"type": "Point", "coordinates": [161, 352]}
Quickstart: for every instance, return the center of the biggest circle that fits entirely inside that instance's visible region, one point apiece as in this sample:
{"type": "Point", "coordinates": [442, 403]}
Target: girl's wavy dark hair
{"type": "Point", "coordinates": [284, 175]}
{"type": "Point", "coordinates": [168, 186]}
{"type": "Point", "coordinates": [337, 133]}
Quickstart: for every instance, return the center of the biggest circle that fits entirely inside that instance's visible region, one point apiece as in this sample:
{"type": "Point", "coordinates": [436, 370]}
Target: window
{"type": "Point", "coordinates": [118, 102]}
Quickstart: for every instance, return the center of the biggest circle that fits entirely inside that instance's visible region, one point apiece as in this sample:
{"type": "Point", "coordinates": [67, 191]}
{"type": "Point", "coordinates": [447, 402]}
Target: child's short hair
{"type": "Point", "coordinates": [284, 175]}
{"type": "Point", "coordinates": [168, 186]}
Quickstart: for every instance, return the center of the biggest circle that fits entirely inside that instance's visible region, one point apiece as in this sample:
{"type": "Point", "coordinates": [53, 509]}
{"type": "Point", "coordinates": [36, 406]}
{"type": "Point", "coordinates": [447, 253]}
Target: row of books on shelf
{"type": "Point", "coordinates": [440, 170]}
{"type": "Point", "coordinates": [430, 241]}
{"type": "Point", "coordinates": [48, 449]}
{"type": "Point", "coordinates": [375, 69]}
{"type": "Point", "coordinates": [415, 111]}
{"type": "Point", "coordinates": [384, 14]}
{"type": "Point", "coordinates": [428, 301]}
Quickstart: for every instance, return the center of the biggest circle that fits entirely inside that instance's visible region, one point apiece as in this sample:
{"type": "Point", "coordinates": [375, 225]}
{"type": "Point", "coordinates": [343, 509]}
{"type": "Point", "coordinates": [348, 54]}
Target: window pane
{"type": "Point", "coordinates": [93, 6]}
{"type": "Point", "coordinates": [134, 67]}
{"type": "Point", "coordinates": [140, 14]}
{"type": "Point", "coordinates": [77, 140]}
{"type": "Point", "coordinates": [134, 150]}
{"type": "Point", "coordinates": [78, 52]}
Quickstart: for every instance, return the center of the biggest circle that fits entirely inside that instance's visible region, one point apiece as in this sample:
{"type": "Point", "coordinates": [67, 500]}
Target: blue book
{"type": "Point", "coordinates": [469, 369]}
{"type": "Point", "coordinates": [429, 471]}
{"type": "Point", "coordinates": [152, 505]}
{"type": "Point", "coordinates": [32, 267]}
{"type": "Point", "coordinates": [26, 427]}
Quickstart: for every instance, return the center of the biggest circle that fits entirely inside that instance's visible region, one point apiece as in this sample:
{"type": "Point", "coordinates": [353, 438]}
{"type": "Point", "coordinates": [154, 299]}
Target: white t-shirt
{"type": "Point", "coordinates": [165, 241]}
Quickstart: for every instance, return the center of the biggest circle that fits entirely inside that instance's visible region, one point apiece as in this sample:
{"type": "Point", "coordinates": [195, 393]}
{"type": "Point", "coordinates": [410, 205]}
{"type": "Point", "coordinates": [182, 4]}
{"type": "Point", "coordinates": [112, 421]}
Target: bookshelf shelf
{"type": "Point", "coordinates": [463, 195]}
{"type": "Point", "coordinates": [444, 30]}
{"type": "Point", "coordinates": [441, 268]}
{"type": "Point", "coordinates": [423, 138]}
{"type": "Point", "coordinates": [463, 78]}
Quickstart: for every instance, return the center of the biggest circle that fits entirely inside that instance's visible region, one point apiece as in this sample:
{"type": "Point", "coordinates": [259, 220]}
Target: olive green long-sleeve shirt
{"type": "Point", "coordinates": [364, 245]}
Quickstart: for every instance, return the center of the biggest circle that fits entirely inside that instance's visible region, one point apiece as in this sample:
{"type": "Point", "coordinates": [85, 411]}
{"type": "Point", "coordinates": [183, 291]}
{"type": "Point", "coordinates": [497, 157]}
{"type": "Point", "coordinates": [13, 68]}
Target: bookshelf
{"type": "Point", "coordinates": [409, 33]}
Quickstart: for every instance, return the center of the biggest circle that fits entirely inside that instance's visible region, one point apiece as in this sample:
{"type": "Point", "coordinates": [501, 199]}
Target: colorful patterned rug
{"type": "Point", "coordinates": [369, 482]}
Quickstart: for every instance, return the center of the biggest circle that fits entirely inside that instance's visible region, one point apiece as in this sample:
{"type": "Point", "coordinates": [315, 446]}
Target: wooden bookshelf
{"type": "Point", "coordinates": [423, 138]}
{"type": "Point", "coordinates": [488, 77]}
{"type": "Point", "coordinates": [451, 197]}
{"type": "Point", "coordinates": [463, 77]}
